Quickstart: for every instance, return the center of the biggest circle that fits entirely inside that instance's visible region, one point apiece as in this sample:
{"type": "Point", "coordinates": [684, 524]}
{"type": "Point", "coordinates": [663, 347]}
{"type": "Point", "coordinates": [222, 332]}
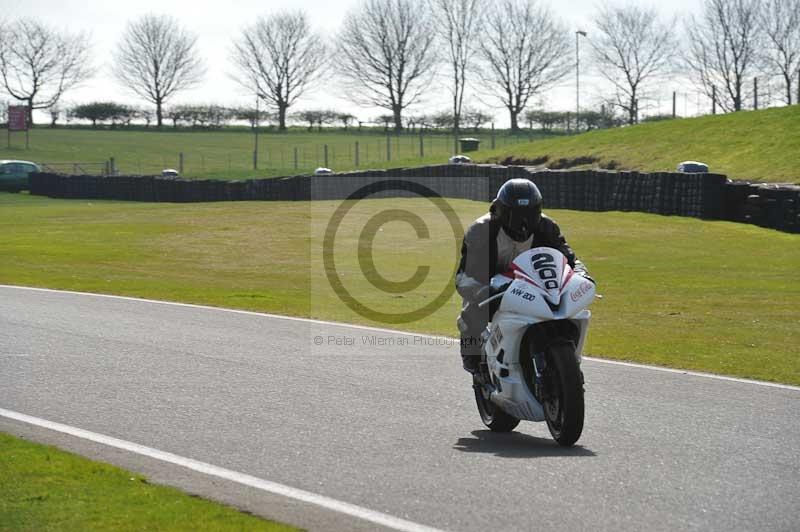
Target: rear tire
{"type": "Point", "coordinates": [491, 414]}
{"type": "Point", "coordinates": [564, 406]}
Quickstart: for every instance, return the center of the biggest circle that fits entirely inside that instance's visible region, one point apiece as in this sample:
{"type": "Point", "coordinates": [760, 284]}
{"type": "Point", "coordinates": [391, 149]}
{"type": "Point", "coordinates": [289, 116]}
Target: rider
{"type": "Point", "coordinates": [513, 225]}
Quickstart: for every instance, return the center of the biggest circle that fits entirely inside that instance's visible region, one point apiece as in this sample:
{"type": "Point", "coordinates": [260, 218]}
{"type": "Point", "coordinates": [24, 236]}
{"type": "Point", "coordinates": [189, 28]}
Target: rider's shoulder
{"type": "Point", "coordinates": [547, 222]}
{"type": "Point", "coordinates": [482, 221]}
{"type": "Point", "coordinates": [479, 228]}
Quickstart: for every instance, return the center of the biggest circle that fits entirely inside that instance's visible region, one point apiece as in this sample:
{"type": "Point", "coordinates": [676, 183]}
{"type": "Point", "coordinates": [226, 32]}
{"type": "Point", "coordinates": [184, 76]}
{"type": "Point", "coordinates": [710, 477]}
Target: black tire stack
{"type": "Point", "coordinates": [709, 196]}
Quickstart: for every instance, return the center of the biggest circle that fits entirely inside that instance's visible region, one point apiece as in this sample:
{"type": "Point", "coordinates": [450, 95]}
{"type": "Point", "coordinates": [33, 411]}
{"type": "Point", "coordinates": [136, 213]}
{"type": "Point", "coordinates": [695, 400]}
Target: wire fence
{"type": "Point", "coordinates": [758, 92]}
{"type": "Point", "coordinates": [276, 155]}
{"type": "Point", "coordinates": [79, 168]}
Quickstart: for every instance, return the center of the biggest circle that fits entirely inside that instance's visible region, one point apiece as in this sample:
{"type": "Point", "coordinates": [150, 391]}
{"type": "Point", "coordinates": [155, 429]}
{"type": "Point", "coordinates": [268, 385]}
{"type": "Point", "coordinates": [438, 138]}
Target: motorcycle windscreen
{"type": "Point", "coordinates": [545, 268]}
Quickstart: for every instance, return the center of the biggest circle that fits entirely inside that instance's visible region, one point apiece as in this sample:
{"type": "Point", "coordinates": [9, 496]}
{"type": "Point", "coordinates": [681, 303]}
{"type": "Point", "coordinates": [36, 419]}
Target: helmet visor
{"type": "Point", "coordinates": [521, 219]}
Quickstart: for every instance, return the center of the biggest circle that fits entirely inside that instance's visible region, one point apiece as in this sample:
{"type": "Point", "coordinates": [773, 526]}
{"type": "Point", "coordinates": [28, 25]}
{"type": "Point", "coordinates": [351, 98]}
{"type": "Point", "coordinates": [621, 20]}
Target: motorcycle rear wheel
{"type": "Point", "coordinates": [564, 405]}
{"type": "Point", "coordinates": [491, 414]}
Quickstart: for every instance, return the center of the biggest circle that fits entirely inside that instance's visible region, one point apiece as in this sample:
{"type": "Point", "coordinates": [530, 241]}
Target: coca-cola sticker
{"type": "Point", "coordinates": [581, 291]}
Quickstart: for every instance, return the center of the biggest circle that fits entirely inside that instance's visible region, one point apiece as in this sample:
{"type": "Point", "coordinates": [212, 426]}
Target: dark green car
{"type": "Point", "coordinates": [14, 175]}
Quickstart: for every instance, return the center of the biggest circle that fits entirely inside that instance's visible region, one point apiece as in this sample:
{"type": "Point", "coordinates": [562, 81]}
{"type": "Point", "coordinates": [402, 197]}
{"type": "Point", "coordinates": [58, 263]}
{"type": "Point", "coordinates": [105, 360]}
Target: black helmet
{"type": "Point", "coordinates": [518, 206]}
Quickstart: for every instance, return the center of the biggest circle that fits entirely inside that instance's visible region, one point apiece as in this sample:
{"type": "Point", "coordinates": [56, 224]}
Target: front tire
{"type": "Point", "coordinates": [564, 405]}
{"type": "Point", "coordinates": [491, 414]}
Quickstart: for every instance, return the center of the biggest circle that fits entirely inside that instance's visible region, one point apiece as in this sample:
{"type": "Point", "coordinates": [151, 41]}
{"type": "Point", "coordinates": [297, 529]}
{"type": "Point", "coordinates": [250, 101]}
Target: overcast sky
{"type": "Point", "coordinates": [217, 22]}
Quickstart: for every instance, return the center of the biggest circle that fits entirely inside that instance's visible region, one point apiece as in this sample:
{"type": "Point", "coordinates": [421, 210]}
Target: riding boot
{"type": "Point", "coordinates": [471, 324]}
{"type": "Point", "coordinates": [471, 352]}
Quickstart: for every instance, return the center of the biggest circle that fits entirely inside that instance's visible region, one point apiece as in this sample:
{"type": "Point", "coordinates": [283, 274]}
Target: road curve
{"type": "Point", "coordinates": [386, 421]}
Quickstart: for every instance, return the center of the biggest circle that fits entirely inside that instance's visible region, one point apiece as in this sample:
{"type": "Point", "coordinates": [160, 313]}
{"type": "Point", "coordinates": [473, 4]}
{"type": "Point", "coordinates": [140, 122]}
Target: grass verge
{"type": "Point", "coordinates": [43, 488]}
{"type": "Point", "coordinates": [680, 292]}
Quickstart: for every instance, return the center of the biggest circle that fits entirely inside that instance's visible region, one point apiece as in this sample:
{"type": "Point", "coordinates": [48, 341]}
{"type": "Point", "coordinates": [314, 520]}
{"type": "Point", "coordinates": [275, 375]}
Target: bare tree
{"type": "Point", "coordinates": [526, 50]}
{"type": "Point", "coordinates": [156, 59]}
{"type": "Point", "coordinates": [780, 20]}
{"type": "Point", "coordinates": [38, 64]}
{"type": "Point", "coordinates": [631, 45]}
{"type": "Point", "coordinates": [476, 117]}
{"type": "Point", "coordinates": [724, 43]}
{"type": "Point", "coordinates": [386, 53]}
{"type": "Point", "coordinates": [459, 27]}
{"type": "Point", "coordinates": [279, 57]}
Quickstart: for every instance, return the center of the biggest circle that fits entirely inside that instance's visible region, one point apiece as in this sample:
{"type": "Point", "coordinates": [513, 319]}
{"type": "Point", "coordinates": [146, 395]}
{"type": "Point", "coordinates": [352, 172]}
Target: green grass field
{"type": "Point", "coordinates": [44, 489]}
{"type": "Point", "coordinates": [758, 145]}
{"type": "Point", "coordinates": [680, 292]}
{"type": "Point", "coordinates": [226, 154]}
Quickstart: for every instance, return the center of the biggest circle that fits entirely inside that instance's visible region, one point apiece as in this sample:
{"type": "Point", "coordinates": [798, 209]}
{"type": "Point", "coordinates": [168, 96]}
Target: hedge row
{"type": "Point", "coordinates": [709, 196]}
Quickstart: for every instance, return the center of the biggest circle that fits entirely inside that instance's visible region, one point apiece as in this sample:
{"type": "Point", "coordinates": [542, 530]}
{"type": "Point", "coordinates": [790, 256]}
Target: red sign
{"type": "Point", "coordinates": [17, 118]}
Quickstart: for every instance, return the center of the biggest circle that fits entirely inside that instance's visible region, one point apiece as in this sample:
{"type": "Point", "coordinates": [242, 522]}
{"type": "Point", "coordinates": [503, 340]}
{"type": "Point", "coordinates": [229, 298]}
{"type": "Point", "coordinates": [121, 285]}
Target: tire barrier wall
{"type": "Point", "coordinates": [709, 196]}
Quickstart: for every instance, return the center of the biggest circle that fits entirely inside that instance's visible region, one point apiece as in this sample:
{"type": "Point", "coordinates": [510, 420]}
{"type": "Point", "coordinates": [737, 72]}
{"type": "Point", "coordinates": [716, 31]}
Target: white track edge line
{"type": "Point", "coordinates": [405, 333]}
{"type": "Point", "coordinates": [353, 510]}
{"type": "Point", "coordinates": [694, 373]}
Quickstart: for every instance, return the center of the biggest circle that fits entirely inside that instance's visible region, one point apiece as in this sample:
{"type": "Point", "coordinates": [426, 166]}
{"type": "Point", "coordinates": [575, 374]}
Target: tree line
{"type": "Point", "coordinates": [211, 116]}
{"type": "Point", "coordinates": [392, 53]}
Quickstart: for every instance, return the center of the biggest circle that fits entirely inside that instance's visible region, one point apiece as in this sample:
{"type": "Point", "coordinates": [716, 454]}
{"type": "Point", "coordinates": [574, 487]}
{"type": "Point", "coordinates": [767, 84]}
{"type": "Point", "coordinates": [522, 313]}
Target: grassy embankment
{"type": "Point", "coordinates": [680, 292]}
{"type": "Point", "coordinates": [758, 145]}
{"type": "Point", "coordinates": [43, 488]}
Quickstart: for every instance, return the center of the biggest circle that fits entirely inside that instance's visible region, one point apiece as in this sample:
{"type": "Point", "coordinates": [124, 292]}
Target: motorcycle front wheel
{"type": "Point", "coordinates": [491, 414]}
{"type": "Point", "coordinates": [563, 406]}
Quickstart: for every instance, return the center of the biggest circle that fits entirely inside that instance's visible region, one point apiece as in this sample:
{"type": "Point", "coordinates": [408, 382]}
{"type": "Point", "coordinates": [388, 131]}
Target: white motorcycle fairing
{"type": "Point", "coordinates": [544, 288]}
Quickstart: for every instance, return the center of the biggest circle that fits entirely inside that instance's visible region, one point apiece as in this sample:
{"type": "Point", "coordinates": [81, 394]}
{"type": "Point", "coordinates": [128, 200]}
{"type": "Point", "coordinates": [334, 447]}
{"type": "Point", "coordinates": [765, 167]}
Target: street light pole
{"type": "Point", "coordinates": [578, 77]}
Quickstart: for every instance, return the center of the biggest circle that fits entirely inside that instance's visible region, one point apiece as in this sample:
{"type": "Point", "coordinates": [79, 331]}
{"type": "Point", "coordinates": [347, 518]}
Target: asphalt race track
{"type": "Point", "coordinates": [386, 421]}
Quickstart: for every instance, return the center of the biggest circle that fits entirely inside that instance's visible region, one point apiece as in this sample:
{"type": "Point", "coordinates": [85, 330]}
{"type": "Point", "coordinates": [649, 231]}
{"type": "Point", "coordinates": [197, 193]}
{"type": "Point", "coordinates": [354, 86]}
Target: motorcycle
{"type": "Point", "coordinates": [531, 363]}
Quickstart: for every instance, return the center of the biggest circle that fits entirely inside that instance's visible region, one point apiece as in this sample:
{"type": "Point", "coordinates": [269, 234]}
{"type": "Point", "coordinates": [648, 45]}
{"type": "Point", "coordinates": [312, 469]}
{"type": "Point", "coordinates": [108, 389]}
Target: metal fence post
{"type": "Point", "coordinates": [113, 165]}
{"type": "Point", "coordinates": [755, 94]}
{"type": "Point", "coordinates": [713, 99]}
{"type": "Point", "coordinates": [674, 104]}
{"type": "Point", "coordinates": [325, 151]}
{"type": "Point", "coordinates": [421, 143]}
{"type": "Point", "coordinates": [388, 147]}
{"type": "Point", "coordinates": [494, 141]}
{"type": "Point", "coordinates": [357, 155]}
{"type": "Point", "coordinates": [180, 163]}
{"type": "Point", "coordinates": [295, 157]}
